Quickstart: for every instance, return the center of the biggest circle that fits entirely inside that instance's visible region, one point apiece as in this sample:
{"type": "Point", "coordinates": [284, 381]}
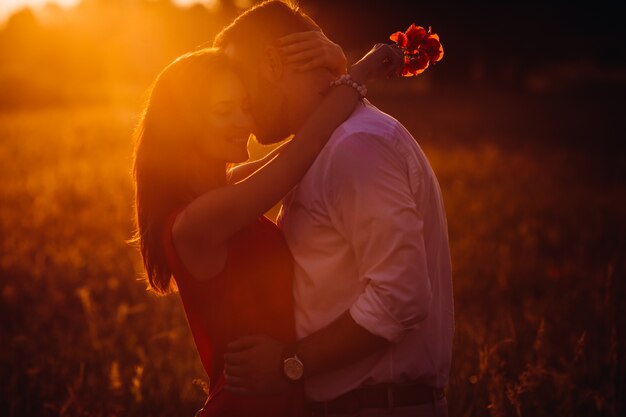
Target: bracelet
{"type": "Point", "coordinates": [347, 80]}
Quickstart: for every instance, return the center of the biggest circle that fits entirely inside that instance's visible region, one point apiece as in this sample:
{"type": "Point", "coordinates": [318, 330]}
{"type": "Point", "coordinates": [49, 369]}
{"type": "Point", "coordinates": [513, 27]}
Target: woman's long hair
{"type": "Point", "coordinates": [170, 169]}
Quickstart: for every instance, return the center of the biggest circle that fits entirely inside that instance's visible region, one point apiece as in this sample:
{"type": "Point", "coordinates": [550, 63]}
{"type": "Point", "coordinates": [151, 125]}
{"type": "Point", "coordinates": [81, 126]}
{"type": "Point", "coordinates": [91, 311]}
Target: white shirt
{"type": "Point", "coordinates": [368, 232]}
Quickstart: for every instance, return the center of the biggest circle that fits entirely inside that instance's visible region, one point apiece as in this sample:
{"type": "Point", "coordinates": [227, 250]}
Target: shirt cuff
{"type": "Point", "coordinates": [370, 313]}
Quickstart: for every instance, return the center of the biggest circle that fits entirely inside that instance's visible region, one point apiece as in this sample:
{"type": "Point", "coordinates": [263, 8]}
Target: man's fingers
{"type": "Point", "coordinates": [232, 370]}
{"type": "Point", "coordinates": [236, 390]}
{"type": "Point", "coordinates": [243, 343]}
{"type": "Point", "coordinates": [234, 359]}
{"type": "Point", "coordinates": [237, 382]}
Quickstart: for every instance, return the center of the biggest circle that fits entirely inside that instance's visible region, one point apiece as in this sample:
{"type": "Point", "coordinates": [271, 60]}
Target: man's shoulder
{"type": "Point", "coordinates": [368, 119]}
{"type": "Point", "coordinates": [369, 131]}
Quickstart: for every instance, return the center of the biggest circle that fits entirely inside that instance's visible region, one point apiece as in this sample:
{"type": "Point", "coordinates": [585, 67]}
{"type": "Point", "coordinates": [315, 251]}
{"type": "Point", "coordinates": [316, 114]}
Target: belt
{"type": "Point", "coordinates": [379, 396]}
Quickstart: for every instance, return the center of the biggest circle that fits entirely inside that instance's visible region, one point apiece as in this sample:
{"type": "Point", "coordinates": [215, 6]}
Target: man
{"type": "Point", "coordinates": [368, 232]}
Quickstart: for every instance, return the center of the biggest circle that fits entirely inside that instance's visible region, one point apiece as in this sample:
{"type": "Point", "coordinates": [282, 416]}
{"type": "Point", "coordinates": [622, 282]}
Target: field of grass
{"type": "Point", "coordinates": [537, 237]}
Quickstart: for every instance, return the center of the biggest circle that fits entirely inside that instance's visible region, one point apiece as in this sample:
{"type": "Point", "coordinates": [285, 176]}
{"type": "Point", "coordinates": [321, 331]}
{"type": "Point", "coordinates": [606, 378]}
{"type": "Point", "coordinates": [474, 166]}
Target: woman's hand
{"type": "Point", "coordinates": [382, 60]}
{"type": "Point", "coordinates": [312, 49]}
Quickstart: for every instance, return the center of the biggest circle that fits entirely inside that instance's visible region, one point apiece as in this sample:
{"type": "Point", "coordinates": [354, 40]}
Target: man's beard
{"type": "Point", "coordinates": [273, 129]}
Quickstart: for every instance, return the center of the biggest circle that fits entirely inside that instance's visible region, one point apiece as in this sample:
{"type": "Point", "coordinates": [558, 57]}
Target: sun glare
{"type": "Point", "coordinates": [207, 3]}
{"type": "Point", "coordinates": [7, 7]}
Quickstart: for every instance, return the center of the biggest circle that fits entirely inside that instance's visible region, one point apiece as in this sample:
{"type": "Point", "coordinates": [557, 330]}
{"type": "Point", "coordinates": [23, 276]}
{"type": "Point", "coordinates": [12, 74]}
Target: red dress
{"type": "Point", "coordinates": [252, 295]}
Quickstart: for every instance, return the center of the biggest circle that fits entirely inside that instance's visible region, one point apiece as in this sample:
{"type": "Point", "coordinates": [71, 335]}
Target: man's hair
{"type": "Point", "coordinates": [263, 24]}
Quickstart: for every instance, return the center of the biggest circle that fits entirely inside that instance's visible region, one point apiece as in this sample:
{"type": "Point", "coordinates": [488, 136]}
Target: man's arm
{"type": "Point", "coordinates": [339, 344]}
{"type": "Point", "coordinates": [254, 364]}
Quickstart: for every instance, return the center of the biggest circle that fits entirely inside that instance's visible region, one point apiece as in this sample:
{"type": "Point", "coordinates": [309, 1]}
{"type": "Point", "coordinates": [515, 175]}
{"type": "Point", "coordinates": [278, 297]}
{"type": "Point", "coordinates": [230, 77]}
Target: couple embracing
{"type": "Point", "coordinates": [345, 307]}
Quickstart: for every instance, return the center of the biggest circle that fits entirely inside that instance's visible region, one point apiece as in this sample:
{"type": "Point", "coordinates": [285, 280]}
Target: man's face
{"type": "Point", "coordinates": [268, 103]}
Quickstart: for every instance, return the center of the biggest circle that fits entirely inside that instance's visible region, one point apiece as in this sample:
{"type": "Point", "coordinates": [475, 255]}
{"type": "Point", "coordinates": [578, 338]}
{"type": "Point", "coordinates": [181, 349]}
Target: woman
{"type": "Point", "coordinates": [204, 224]}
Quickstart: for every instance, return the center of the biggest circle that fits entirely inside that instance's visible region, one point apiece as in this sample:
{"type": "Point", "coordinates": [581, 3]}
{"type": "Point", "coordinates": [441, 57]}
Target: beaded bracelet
{"type": "Point", "coordinates": [347, 80]}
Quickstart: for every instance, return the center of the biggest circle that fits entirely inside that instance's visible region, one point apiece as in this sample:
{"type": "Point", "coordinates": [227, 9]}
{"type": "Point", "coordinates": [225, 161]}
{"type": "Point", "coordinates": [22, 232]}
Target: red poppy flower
{"type": "Point", "coordinates": [420, 46]}
{"type": "Point", "coordinates": [414, 35]}
{"type": "Point", "coordinates": [432, 47]}
{"type": "Point", "coordinates": [399, 38]}
{"type": "Point", "coordinates": [417, 65]}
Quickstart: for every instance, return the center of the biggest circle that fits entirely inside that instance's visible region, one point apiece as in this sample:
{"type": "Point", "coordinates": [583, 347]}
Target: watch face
{"type": "Point", "coordinates": [293, 368]}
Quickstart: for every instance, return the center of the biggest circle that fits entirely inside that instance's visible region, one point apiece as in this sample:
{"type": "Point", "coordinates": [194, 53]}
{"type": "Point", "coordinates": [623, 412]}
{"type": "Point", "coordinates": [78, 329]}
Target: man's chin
{"type": "Point", "coordinates": [271, 122]}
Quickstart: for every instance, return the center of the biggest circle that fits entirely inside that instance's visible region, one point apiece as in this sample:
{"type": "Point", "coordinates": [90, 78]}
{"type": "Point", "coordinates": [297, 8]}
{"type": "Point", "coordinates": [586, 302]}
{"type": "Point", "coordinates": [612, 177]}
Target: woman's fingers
{"type": "Point", "coordinates": [311, 64]}
{"type": "Point", "coordinates": [306, 48]}
{"type": "Point", "coordinates": [381, 60]}
{"type": "Point", "coordinates": [310, 58]}
{"type": "Point", "coordinates": [297, 48]}
{"type": "Point", "coordinates": [305, 56]}
{"type": "Point", "coordinates": [396, 60]}
{"type": "Point", "coordinates": [300, 37]}
{"type": "Point", "coordinates": [391, 60]}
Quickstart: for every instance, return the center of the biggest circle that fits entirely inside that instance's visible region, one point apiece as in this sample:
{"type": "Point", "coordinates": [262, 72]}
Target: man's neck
{"type": "Point", "coordinates": [305, 102]}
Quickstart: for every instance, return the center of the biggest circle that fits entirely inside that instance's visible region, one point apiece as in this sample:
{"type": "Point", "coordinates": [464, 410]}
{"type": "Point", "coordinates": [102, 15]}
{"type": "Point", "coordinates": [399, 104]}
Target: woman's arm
{"type": "Point", "coordinates": [243, 171]}
{"type": "Point", "coordinates": [208, 221]}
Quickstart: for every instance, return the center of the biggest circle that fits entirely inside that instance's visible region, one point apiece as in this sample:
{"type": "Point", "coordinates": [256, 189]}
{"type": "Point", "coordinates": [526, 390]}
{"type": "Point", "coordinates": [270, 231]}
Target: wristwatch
{"type": "Point", "coordinates": [292, 365]}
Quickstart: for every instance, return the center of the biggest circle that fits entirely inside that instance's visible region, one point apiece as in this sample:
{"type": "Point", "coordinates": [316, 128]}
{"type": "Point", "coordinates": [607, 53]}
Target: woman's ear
{"type": "Point", "coordinates": [272, 63]}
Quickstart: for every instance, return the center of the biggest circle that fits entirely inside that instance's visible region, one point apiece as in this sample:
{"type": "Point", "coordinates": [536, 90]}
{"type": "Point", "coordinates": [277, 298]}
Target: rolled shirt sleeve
{"type": "Point", "coordinates": [374, 202]}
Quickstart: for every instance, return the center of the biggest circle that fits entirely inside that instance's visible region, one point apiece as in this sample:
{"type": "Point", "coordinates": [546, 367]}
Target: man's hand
{"type": "Point", "coordinates": [253, 365]}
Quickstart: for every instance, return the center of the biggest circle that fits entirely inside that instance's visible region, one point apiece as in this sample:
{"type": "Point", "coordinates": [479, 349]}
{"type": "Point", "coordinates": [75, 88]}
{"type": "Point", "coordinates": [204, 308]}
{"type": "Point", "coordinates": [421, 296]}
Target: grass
{"type": "Point", "coordinates": [537, 239]}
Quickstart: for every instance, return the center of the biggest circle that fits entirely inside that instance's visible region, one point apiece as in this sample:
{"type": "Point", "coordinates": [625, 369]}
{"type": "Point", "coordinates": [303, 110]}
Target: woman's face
{"type": "Point", "coordinates": [229, 119]}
